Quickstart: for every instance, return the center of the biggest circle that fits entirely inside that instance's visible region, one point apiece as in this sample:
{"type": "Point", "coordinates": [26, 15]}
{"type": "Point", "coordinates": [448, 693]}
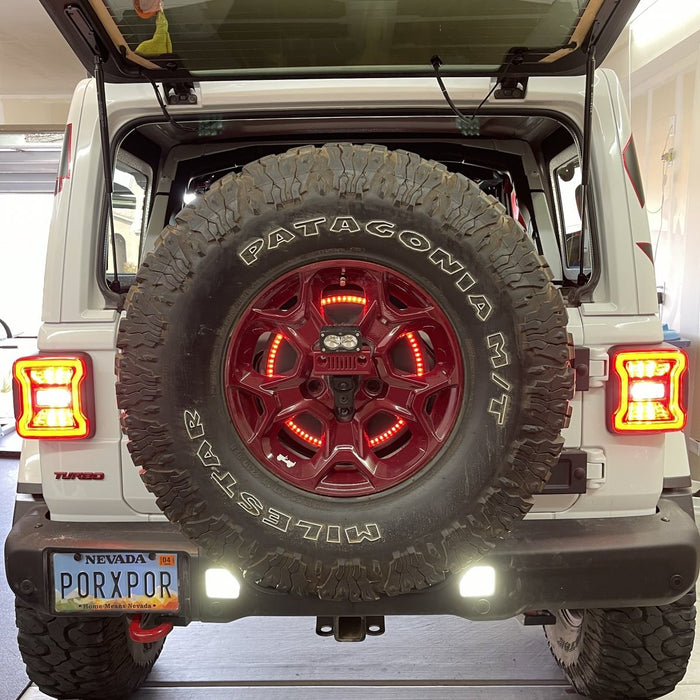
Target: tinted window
{"type": "Point", "coordinates": [211, 35]}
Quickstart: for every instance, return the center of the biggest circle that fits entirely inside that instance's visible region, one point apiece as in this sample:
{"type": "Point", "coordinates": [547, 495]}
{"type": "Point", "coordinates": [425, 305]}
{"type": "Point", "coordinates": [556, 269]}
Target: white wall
{"type": "Point", "coordinates": [23, 235]}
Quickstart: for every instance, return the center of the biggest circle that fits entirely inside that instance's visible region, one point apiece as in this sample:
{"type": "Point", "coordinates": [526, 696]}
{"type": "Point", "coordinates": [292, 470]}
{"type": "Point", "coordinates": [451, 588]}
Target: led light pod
{"type": "Point", "coordinates": [54, 397]}
{"type": "Point", "coordinates": [478, 582]}
{"type": "Point", "coordinates": [221, 583]}
{"type": "Point", "coordinates": [647, 390]}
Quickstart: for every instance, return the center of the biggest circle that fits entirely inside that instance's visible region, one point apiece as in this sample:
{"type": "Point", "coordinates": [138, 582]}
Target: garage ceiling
{"type": "Point", "coordinates": [38, 71]}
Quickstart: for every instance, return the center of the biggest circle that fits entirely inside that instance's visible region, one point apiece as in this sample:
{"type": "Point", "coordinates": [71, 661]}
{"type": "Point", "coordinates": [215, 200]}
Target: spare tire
{"type": "Point", "coordinates": [345, 371]}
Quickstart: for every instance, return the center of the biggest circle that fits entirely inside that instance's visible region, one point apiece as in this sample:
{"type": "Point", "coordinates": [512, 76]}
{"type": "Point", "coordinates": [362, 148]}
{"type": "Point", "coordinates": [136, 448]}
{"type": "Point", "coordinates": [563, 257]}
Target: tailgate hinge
{"type": "Point", "coordinates": [591, 367]}
{"type": "Point", "coordinates": [511, 88]}
{"type": "Point", "coordinates": [582, 367]}
{"type": "Point", "coordinates": [180, 93]}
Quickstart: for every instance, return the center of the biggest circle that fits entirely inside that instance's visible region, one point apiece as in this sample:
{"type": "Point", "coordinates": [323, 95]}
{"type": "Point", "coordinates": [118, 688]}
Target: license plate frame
{"type": "Point", "coordinates": [127, 581]}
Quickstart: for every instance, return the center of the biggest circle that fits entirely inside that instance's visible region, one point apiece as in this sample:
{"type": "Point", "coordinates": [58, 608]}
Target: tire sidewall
{"type": "Point", "coordinates": [567, 640]}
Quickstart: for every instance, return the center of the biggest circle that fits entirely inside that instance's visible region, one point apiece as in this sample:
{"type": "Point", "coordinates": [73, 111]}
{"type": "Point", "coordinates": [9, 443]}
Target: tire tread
{"type": "Point", "coordinates": [640, 653]}
{"type": "Point", "coordinates": [89, 657]}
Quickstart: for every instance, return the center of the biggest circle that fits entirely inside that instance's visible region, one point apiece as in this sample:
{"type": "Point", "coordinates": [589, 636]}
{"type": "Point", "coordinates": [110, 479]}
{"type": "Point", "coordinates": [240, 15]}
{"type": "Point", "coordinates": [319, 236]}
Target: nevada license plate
{"type": "Point", "coordinates": [117, 581]}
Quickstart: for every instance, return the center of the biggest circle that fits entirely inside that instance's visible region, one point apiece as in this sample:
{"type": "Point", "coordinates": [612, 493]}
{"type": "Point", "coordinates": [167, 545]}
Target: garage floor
{"type": "Point", "coordinates": [439, 658]}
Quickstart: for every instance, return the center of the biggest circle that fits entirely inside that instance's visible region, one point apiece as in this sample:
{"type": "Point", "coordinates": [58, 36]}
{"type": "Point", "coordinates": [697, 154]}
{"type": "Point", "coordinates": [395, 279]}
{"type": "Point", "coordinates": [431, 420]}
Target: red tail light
{"type": "Point", "coordinates": [647, 391]}
{"type": "Point", "coordinates": [54, 397]}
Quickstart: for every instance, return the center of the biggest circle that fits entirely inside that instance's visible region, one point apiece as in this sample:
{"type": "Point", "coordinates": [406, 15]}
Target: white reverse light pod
{"type": "Point", "coordinates": [221, 583]}
{"type": "Point", "coordinates": [478, 582]}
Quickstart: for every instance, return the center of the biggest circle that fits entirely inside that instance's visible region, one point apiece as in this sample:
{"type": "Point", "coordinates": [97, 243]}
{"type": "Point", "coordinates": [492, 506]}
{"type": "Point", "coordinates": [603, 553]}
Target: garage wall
{"type": "Point", "coordinates": [38, 73]}
{"type": "Point", "coordinates": [28, 165]}
{"type": "Point", "coordinates": [25, 224]}
{"type": "Point", "coordinates": [658, 61]}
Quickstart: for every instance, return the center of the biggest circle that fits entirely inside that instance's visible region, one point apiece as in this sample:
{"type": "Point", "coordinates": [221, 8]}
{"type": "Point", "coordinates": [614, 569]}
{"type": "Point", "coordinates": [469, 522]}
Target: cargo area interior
{"type": "Point", "coordinates": [530, 163]}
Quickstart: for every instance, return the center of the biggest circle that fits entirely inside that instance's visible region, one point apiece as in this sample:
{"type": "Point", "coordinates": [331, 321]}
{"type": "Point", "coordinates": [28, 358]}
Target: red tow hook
{"type": "Point", "coordinates": [147, 636]}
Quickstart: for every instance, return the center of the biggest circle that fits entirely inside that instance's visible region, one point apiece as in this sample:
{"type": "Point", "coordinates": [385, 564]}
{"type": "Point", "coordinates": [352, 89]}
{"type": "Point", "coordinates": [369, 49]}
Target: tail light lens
{"type": "Point", "coordinates": [647, 390]}
{"type": "Point", "coordinates": [54, 397]}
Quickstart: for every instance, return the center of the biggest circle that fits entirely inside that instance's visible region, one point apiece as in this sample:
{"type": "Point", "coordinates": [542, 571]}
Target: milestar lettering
{"type": "Point", "coordinates": [254, 506]}
{"type": "Point", "coordinates": [412, 240]}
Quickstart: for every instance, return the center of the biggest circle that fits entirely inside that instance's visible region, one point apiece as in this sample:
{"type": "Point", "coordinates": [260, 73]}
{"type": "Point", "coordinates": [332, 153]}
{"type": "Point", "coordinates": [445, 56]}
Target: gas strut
{"type": "Point", "coordinates": [107, 165]}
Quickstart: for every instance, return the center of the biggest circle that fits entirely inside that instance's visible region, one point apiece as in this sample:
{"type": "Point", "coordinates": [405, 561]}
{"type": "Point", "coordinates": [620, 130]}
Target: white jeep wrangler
{"type": "Point", "coordinates": [377, 282]}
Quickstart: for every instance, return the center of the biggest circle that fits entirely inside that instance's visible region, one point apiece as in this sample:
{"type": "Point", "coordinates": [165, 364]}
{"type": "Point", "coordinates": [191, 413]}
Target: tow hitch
{"type": "Point", "coordinates": [147, 635]}
{"type": "Point", "coordinates": [350, 628]}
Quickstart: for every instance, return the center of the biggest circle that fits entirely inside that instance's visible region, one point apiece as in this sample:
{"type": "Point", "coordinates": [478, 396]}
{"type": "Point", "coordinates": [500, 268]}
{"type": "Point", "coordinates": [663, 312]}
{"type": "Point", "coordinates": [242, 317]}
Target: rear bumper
{"type": "Point", "coordinates": [542, 564]}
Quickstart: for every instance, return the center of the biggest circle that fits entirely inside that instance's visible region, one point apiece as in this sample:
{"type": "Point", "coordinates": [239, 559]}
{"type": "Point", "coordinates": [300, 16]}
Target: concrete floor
{"type": "Point", "coordinates": [437, 658]}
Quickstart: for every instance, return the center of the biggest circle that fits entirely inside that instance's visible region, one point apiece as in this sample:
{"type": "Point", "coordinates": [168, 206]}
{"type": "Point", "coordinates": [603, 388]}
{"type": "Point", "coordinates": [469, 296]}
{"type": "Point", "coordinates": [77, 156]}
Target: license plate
{"type": "Point", "coordinates": [117, 581]}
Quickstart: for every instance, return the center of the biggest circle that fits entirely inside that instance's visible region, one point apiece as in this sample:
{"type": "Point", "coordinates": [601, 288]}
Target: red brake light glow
{"type": "Point", "coordinates": [646, 391]}
{"type": "Point", "coordinates": [53, 397]}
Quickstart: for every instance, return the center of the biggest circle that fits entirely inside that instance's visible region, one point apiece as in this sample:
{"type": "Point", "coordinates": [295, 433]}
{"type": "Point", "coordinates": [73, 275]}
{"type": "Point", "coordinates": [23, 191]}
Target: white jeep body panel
{"type": "Point", "coordinates": [625, 473]}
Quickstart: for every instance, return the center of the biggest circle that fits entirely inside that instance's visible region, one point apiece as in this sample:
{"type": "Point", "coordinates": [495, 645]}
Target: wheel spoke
{"type": "Point", "coordinates": [348, 444]}
{"type": "Point", "coordinates": [383, 332]}
{"type": "Point", "coordinates": [282, 399]}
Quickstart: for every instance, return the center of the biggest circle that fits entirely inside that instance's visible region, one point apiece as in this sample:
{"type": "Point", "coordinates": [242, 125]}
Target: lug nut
{"type": "Point", "coordinates": [315, 387]}
{"type": "Point", "coordinates": [373, 387]}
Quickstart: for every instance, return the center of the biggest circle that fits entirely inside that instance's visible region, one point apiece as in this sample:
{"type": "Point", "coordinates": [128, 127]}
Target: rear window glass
{"type": "Point", "coordinates": [222, 35]}
{"type": "Point", "coordinates": [129, 201]}
{"type": "Point", "coordinates": [569, 190]}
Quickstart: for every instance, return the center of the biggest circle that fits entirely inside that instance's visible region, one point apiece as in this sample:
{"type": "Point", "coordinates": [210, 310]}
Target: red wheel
{"type": "Point", "coordinates": [343, 421]}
